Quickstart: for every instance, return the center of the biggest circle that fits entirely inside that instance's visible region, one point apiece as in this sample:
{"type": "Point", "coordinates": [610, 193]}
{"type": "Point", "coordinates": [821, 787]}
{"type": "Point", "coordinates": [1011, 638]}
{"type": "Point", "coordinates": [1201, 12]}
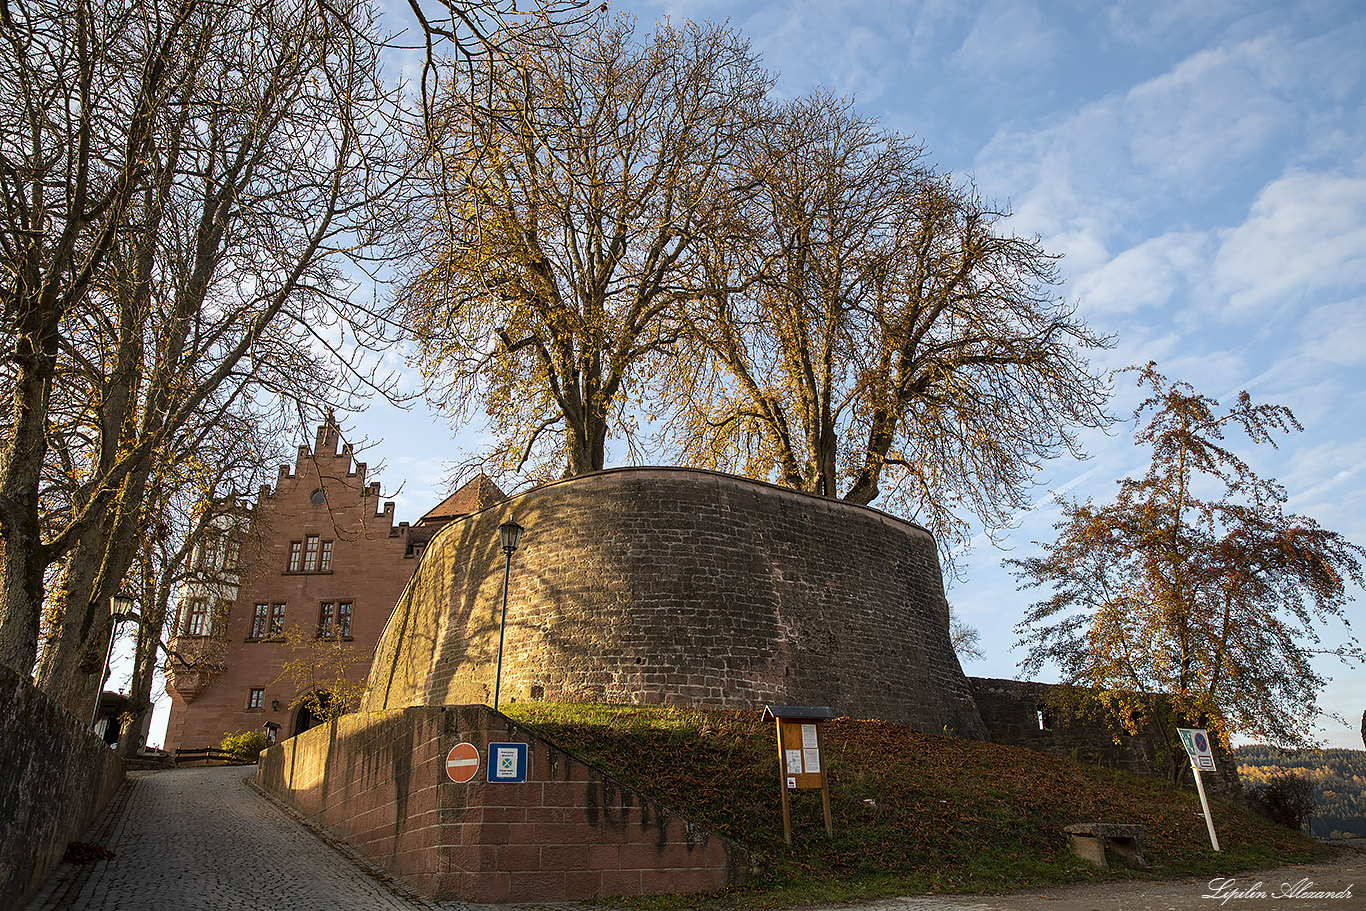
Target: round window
{"type": "Point", "coordinates": [318, 497]}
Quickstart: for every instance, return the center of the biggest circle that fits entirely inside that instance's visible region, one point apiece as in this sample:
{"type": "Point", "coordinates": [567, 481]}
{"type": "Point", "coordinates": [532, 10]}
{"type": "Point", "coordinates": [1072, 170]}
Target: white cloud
{"type": "Point", "coordinates": [1336, 333]}
{"type": "Point", "coordinates": [1147, 275]}
{"type": "Point", "coordinates": [1009, 38]}
{"type": "Point", "coordinates": [1306, 234]}
{"type": "Point", "coordinates": [1214, 111]}
{"type": "Point", "coordinates": [1158, 23]}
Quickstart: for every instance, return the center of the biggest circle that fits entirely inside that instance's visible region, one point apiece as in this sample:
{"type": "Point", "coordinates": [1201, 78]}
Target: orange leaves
{"type": "Point", "coordinates": [1215, 601]}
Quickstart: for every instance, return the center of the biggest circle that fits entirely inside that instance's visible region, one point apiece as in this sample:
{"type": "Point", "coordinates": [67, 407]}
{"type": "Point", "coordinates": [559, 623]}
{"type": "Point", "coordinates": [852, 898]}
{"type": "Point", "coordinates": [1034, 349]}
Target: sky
{"type": "Point", "coordinates": [1201, 167]}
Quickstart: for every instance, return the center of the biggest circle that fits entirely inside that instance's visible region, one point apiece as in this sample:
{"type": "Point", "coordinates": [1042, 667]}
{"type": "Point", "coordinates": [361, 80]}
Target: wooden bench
{"type": "Point", "coordinates": [1090, 839]}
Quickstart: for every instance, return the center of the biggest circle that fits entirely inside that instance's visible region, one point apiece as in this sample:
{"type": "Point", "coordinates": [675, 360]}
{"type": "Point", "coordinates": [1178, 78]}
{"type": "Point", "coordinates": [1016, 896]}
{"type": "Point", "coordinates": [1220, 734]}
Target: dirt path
{"type": "Point", "coordinates": [1344, 873]}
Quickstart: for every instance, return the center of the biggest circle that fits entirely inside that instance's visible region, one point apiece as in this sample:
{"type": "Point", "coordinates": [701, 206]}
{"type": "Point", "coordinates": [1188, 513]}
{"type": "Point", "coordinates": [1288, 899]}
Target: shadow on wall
{"type": "Point", "coordinates": [685, 587]}
{"type": "Point", "coordinates": [55, 777]}
{"type": "Point", "coordinates": [1024, 713]}
{"type": "Point", "coordinates": [568, 832]}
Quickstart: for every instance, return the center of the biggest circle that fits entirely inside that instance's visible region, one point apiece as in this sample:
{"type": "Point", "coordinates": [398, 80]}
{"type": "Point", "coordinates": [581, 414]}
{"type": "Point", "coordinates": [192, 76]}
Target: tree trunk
{"type": "Point", "coordinates": [145, 658]}
{"type": "Point", "coordinates": [22, 556]}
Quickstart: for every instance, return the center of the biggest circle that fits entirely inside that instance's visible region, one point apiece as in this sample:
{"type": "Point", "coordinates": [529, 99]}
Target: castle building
{"type": "Point", "coordinates": [317, 561]}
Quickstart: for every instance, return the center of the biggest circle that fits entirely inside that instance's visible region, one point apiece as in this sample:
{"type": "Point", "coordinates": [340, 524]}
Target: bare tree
{"type": "Point", "coordinates": [197, 537]}
{"type": "Point", "coordinates": [868, 329]}
{"type": "Point", "coordinates": [177, 185]}
{"type": "Point", "coordinates": [567, 183]}
{"type": "Point", "coordinates": [469, 34]}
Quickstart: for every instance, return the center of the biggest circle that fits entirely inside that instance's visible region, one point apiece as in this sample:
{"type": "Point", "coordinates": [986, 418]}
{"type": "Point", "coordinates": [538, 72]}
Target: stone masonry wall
{"type": "Point", "coordinates": [1010, 709]}
{"type": "Point", "coordinates": [568, 833]}
{"type": "Point", "coordinates": [682, 587]}
{"type": "Point", "coordinates": [55, 776]}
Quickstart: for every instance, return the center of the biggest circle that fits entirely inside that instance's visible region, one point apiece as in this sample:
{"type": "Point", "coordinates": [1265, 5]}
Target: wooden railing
{"type": "Point", "coordinates": [207, 755]}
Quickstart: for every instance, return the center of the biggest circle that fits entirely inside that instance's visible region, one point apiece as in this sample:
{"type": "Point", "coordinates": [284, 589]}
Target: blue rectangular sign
{"type": "Point", "coordinates": [507, 763]}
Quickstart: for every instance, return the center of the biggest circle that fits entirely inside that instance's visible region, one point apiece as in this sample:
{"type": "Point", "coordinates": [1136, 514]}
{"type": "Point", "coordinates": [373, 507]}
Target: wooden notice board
{"type": "Point", "coordinates": [801, 760]}
{"type": "Point", "coordinates": [803, 764]}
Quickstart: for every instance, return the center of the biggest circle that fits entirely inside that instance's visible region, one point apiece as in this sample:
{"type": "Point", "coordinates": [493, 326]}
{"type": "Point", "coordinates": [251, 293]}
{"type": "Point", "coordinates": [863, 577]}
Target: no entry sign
{"type": "Point", "coordinates": [462, 762]}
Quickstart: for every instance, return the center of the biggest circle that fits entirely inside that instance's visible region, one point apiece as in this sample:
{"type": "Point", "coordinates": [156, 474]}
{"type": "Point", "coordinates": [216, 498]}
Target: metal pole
{"type": "Point", "coordinates": [502, 626]}
{"type": "Point", "coordinates": [1204, 805]}
{"type": "Point", "coordinates": [114, 621]}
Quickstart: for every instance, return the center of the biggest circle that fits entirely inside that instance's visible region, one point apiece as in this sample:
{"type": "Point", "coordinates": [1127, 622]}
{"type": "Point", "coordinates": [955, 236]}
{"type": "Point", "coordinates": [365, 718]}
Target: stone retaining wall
{"type": "Point", "coordinates": [1011, 711]}
{"type": "Point", "coordinates": [681, 587]}
{"type": "Point", "coordinates": [378, 780]}
{"type": "Point", "coordinates": [55, 776]}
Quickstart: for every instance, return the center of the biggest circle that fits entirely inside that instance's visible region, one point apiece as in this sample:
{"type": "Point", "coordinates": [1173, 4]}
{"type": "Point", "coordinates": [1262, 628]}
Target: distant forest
{"type": "Point", "coordinates": [1338, 776]}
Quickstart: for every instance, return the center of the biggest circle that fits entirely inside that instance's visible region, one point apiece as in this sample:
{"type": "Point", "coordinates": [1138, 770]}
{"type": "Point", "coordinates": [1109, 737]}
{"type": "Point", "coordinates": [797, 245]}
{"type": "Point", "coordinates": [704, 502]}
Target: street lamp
{"type": "Point", "coordinates": [509, 534]}
{"type": "Point", "coordinates": [120, 609]}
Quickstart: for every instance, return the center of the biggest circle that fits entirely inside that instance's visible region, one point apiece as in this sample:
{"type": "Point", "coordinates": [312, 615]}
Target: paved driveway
{"type": "Point", "coordinates": [201, 839]}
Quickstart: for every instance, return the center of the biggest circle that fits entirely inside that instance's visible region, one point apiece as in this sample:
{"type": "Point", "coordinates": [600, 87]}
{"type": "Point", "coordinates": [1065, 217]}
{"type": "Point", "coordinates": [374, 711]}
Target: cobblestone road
{"type": "Point", "coordinates": [201, 839]}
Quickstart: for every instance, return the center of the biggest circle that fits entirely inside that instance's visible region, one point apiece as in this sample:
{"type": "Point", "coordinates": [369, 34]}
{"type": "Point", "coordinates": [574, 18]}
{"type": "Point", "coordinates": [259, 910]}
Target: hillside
{"type": "Point", "coordinates": [1338, 778]}
{"type": "Point", "coordinates": [913, 812]}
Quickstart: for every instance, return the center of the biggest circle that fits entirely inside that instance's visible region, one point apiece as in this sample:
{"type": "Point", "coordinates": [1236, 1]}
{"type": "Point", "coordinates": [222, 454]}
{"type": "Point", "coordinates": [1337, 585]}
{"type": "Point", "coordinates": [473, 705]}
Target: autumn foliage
{"type": "Point", "coordinates": [1194, 584]}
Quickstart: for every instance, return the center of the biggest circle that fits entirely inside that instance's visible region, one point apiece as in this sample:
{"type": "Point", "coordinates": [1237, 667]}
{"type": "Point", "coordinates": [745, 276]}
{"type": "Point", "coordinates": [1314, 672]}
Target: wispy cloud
{"type": "Point", "coordinates": [1008, 40]}
{"type": "Point", "coordinates": [1306, 235]}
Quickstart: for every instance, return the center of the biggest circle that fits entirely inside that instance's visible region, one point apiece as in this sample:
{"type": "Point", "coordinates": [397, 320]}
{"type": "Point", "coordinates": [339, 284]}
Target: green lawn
{"type": "Point", "coordinates": [914, 813]}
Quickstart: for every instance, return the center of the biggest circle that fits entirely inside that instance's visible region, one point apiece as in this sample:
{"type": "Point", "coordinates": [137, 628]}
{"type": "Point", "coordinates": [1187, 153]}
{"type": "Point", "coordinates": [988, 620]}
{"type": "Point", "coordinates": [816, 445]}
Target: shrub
{"type": "Point", "coordinates": [243, 746]}
{"type": "Point", "coordinates": [1285, 797]}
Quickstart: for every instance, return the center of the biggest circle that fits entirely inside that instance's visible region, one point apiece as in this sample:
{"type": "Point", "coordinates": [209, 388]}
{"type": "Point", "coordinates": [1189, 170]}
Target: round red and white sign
{"type": "Point", "coordinates": [462, 762]}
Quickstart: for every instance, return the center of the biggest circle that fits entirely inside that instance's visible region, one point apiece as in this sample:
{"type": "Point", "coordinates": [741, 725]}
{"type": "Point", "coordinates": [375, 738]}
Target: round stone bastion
{"type": "Point", "coordinates": [670, 586]}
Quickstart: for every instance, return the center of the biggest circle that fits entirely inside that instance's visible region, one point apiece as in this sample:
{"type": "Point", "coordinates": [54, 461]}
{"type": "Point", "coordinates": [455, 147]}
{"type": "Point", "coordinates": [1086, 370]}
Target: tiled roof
{"type": "Point", "coordinates": [472, 497]}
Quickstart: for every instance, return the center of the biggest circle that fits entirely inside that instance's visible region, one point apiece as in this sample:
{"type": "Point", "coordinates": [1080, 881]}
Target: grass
{"type": "Point", "coordinates": [913, 813]}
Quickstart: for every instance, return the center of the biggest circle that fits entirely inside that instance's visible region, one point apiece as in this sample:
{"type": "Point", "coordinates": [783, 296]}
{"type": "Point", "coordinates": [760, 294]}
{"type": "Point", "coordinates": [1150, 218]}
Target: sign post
{"type": "Point", "coordinates": [801, 763]}
{"type": "Point", "coordinates": [1197, 746]}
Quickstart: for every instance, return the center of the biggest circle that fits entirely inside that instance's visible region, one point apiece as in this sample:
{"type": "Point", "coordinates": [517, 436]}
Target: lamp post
{"type": "Point", "coordinates": [509, 534]}
{"type": "Point", "coordinates": [120, 609]}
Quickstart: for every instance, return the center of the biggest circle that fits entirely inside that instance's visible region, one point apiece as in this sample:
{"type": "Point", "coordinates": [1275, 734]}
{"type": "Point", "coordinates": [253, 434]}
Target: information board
{"type": "Point", "coordinates": [507, 763]}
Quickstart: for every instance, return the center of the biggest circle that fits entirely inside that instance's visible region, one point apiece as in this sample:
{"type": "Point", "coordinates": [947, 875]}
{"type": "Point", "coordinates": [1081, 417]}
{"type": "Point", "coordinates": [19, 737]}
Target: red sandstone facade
{"type": "Point", "coordinates": [567, 833]}
{"type": "Point", "coordinates": [320, 553]}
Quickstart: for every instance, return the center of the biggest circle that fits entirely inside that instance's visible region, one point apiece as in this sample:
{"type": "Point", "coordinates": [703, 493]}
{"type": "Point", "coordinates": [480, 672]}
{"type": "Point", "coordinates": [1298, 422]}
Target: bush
{"type": "Point", "coordinates": [243, 746]}
{"type": "Point", "coordinates": [1285, 798]}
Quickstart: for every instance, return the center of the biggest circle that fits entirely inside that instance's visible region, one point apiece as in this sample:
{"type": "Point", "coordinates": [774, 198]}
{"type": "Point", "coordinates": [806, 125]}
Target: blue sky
{"type": "Point", "coordinates": [1202, 167]}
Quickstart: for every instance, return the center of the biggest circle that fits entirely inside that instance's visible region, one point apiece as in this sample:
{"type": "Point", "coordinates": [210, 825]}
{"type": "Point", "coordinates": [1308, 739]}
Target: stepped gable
{"type": "Point", "coordinates": [319, 552]}
{"type": "Point", "coordinates": [681, 587]}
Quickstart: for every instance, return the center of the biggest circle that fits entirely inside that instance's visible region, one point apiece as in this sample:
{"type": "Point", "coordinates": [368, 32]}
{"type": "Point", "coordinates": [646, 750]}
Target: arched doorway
{"type": "Point", "coordinates": [313, 711]}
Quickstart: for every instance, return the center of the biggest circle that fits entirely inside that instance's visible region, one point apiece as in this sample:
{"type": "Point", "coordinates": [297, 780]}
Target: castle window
{"type": "Point", "coordinates": [197, 618]}
{"type": "Point", "coordinates": [232, 553]}
{"type": "Point", "coordinates": [256, 698]}
{"type": "Point", "coordinates": [310, 555]}
{"type": "Point", "coordinates": [259, 618]}
{"type": "Point", "coordinates": [334, 619]}
{"type": "Point", "coordinates": [206, 555]}
{"type": "Point", "coordinates": [277, 620]}
{"type": "Point", "coordinates": [318, 497]}
{"type": "Point", "coordinates": [218, 623]}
